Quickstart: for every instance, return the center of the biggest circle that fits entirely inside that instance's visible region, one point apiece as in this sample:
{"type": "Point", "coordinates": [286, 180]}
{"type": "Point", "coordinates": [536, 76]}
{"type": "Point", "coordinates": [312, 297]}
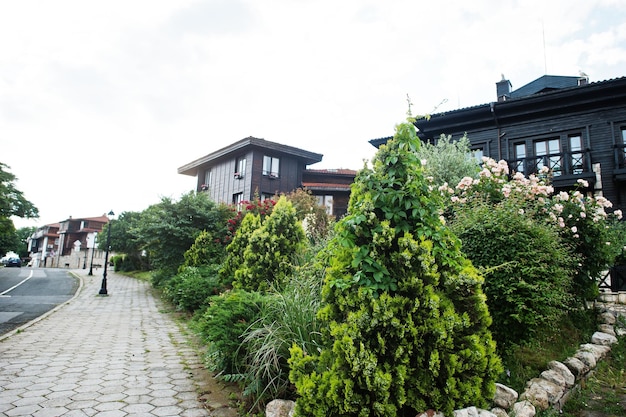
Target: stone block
{"type": "Point", "coordinates": [607, 328]}
{"type": "Point", "coordinates": [466, 412]}
{"type": "Point", "coordinates": [606, 318]}
{"type": "Point", "coordinates": [280, 408]}
{"type": "Point", "coordinates": [504, 397]}
{"type": "Point", "coordinates": [566, 374]}
{"type": "Point", "coordinates": [577, 367]}
{"type": "Point", "coordinates": [499, 412]}
{"type": "Point", "coordinates": [586, 357]}
{"type": "Point", "coordinates": [431, 413]}
{"type": "Point", "coordinates": [524, 409]}
{"type": "Point", "coordinates": [604, 339]}
{"type": "Point", "coordinates": [598, 351]}
{"type": "Point", "coordinates": [542, 393]}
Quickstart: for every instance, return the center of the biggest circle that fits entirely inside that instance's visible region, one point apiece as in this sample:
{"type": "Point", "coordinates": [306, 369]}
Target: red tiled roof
{"type": "Point", "coordinates": [326, 185]}
{"type": "Point", "coordinates": [340, 171]}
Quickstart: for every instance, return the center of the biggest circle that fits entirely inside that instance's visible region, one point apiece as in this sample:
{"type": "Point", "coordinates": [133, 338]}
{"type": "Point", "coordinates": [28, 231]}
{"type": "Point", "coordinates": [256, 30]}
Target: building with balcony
{"type": "Point", "coordinates": [575, 128]}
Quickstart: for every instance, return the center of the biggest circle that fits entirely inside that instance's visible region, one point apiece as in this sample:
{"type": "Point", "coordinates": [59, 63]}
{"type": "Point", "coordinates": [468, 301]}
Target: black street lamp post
{"type": "Point", "coordinates": [103, 289]}
{"type": "Point", "coordinates": [93, 249]}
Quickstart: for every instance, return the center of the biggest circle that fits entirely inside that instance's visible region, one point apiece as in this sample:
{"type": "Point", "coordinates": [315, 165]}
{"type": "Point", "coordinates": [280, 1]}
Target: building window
{"type": "Point", "coordinates": [520, 157]}
{"type": "Point", "coordinates": [477, 154]}
{"type": "Point", "coordinates": [207, 180]}
{"type": "Point", "coordinates": [547, 154]}
{"type": "Point", "coordinates": [325, 201]}
{"type": "Point", "coordinates": [271, 166]}
{"type": "Point", "coordinates": [238, 199]}
{"type": "Point", "coordinates": [576, 154]}
{"type": "Point", "coordinates": [240, 167]}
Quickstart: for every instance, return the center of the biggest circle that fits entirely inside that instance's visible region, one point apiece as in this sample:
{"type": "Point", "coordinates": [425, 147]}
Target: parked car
{"type": "Point", "coordinates": [15, 262]}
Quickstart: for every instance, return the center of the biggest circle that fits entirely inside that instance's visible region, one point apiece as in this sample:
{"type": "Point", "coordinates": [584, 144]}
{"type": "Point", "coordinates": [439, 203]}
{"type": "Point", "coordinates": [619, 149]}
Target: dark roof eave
{"type": "Point", "coordinates": [308, 157]}
{"type": "Point", "coordinates": [489, 115]}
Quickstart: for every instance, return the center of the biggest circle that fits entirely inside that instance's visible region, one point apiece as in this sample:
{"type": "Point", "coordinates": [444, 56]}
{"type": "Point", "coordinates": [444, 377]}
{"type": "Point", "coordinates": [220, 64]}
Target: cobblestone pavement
{"type": "Point", "coordinates": [106, 356]}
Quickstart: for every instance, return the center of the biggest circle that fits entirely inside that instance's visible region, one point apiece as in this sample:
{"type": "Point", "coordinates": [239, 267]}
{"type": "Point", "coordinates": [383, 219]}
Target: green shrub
{"type": "Point", "coordinates": [191, 287]}
{"type": "Point", "coordinates": [594, 237]}
{"type": "Point", "coordinates": [206, 250]}
{"type": "Point", "coordinates": [223, 324]}
{"type": "Point", "coordinates": [404, 318]}
{"type": "Point", "coordinates": [235, 250]}
{"type": "Point", "coordinates": [529, 269]}
{"type": "Point", "coordinates": [448, 161]}
{"type": "Point", "coordinates": [268, 256]}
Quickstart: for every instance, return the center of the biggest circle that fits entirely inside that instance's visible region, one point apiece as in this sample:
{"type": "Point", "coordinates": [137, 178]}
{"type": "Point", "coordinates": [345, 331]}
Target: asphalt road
{"type": "Point", "coordinates": [27, 293]}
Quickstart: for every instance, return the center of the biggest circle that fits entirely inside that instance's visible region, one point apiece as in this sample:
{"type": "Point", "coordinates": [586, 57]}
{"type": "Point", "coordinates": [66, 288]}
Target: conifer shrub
{"type": "Point", "coordinates": [404, 319]}
{"type": "Point", "coordinates": [206, 250]}
{"type": "Point", "coordinates": [268, 255]}
{"type": "Point", "coordinates": [235, 250]}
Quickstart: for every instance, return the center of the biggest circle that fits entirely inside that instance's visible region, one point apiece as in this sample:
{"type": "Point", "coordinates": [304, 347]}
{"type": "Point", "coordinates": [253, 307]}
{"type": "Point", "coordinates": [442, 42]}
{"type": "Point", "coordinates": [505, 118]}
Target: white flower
{"type": "Point", "coordinates": [583, 183]}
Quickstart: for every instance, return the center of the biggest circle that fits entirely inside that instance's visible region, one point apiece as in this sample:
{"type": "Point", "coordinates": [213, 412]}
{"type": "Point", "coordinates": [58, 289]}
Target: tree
{"type": "Point", "coordinates": [405, 318]}
{"type": "Point", "coordinates": [448, 161]}
{"type": "Point", "coordinates": [12, 203]}
{"type": "Point", "coordinates": [168, 229]}
{"type": "Point", "coordinates": [22, 236]}
{"type": "Point", "coordinates": [9, 241]}
{"type": "Point", "coordinates": [124, 240]}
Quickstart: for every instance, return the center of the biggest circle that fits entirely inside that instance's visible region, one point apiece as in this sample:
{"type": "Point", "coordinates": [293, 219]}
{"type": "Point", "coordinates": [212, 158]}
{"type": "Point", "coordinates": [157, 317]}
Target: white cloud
{"type": "Point", "coordinates": [100, 103]}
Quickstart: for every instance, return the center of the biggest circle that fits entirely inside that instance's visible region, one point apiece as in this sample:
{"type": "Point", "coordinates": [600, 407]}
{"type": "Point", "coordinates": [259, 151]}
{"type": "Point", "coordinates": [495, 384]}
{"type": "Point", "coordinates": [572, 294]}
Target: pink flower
{"type": "Point", "coordinates": [574, 229]}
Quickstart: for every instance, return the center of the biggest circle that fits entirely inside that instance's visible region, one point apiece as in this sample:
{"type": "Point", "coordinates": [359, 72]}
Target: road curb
{"type": "Point", "coordinates": [47, 313]}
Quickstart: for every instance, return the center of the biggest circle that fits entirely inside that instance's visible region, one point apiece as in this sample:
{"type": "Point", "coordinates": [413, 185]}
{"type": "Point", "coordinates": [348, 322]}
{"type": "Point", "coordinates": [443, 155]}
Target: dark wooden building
{"type": "Point", "coordinates": [575, 128]}
{"type": "Point", "coordinates": [331, 187]}
{"type": "Point", "coordinates": [257, 168]}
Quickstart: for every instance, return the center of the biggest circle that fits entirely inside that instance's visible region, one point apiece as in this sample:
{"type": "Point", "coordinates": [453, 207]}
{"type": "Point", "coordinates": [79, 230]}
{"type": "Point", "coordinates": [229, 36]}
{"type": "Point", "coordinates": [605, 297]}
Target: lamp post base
{"type": "Point", "coordinates": [103, 289]}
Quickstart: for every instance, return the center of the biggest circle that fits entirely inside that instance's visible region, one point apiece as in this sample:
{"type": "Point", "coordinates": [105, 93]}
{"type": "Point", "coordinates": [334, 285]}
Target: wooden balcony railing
{"type": "Point", "coordinates": [561, 164]}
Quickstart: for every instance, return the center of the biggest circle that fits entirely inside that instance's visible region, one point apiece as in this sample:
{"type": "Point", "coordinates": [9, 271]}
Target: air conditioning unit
{"type": "Point", "coordinates": [238, 176]}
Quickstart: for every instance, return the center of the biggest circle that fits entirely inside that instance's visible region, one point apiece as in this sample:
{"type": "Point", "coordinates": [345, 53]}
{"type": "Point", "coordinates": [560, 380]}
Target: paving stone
{"type": "Point", "coordinates": [101, 356]}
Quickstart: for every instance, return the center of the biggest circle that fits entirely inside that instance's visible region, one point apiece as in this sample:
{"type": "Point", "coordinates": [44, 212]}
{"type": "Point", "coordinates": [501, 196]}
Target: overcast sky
{"type": "Point", "coordinates": [102, 101]}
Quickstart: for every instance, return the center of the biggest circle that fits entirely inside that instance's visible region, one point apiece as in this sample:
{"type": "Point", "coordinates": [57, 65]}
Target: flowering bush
{"type": "Point", "coordinates": [582, 221]}
{"type": "Point", "coordinates": [257, 207]}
